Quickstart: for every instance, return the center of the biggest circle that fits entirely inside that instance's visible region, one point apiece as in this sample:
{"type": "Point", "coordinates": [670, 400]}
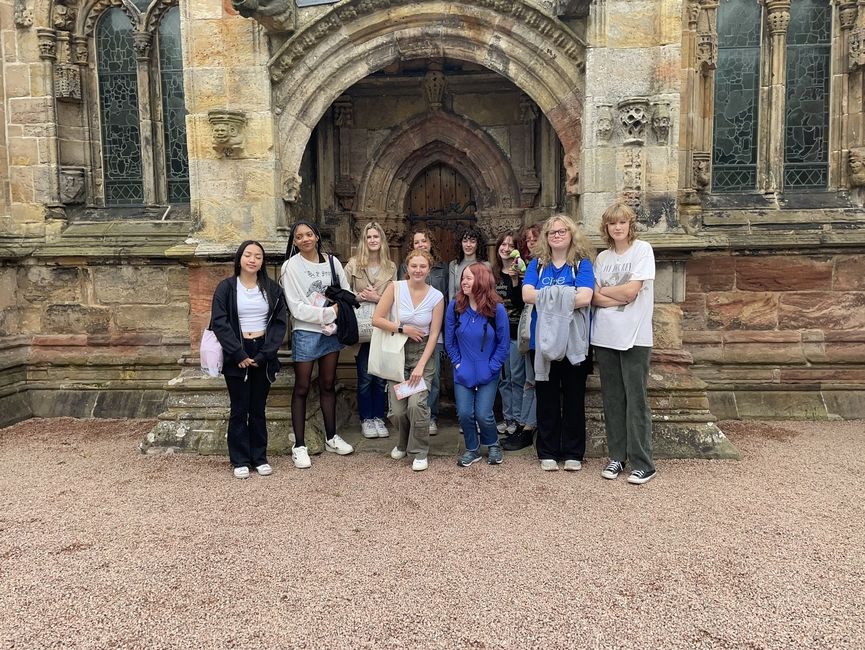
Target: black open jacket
{"type": "Point", "coordinates": [226, 325]}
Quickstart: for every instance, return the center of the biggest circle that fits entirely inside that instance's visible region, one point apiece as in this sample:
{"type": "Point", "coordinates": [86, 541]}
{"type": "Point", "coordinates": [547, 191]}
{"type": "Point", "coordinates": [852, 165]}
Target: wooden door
{"type": "Point", "coordinates": [441, 199]}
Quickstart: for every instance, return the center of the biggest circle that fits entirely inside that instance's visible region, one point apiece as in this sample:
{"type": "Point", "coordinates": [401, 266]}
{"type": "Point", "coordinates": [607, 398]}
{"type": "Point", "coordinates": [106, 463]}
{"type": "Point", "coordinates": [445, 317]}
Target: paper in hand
{"type": "Point", "coordinates": [403, 389]}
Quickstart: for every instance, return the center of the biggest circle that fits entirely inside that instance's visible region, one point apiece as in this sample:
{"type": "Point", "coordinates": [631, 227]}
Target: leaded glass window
{"type": "Point", "coordinates": [806, 119]}
{"type": "Point", "coordinates": [173, 107]}
{"type": "Point", "coordinates": [737, 81]}
{"type": "Point", "coordinates": [118, 103]}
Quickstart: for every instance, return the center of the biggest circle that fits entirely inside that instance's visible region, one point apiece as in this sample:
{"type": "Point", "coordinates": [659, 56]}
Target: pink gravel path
{"type": "Point", "coordinates": [101, 547]}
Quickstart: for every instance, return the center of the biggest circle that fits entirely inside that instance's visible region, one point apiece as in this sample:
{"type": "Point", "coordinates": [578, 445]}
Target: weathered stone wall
{"type": "Point", "coordinates": [779, 334]}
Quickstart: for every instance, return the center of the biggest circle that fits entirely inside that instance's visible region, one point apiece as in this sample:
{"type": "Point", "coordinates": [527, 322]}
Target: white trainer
{"type": "Point", "coordinates": [264, 470]}
{"type": "Point", "coordinates": [300, 456]}
{"type": "Point", "coordinates": [338, 446]}
{"type": "Point", "coordinates": [433, 428]}
{"type": "Point", "coordinates": [573, 466]}
{"type": "Point", "coordinates": [397, 454]}
{"type": "Point", "coordinates": [549, 465]}
{"type": "Point", "coordinates": [241, 472]}
{"type": "Point", "coordinates": [382, 428]}
{"type": "Point", "coordinates": [369, 429]}
{"type": "Point", "coordinates": [419, 464]}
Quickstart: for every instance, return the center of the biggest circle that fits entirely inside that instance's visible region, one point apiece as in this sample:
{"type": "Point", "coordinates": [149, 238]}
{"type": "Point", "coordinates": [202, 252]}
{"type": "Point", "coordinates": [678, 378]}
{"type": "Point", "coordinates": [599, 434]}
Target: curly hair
{"type": "Point", "coordinates": [473, 232]}
{"type": "Point", "coordinates": [426, 232]}
{"type": "Point", "coordinates": [483, 291]}
{"type": "Point", "coordinates": [579, 248]}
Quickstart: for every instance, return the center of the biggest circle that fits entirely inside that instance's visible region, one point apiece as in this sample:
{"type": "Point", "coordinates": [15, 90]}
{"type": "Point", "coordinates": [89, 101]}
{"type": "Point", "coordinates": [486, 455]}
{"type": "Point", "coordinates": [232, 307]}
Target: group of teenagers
{"type": "Point", "coordinates": [528, 325]}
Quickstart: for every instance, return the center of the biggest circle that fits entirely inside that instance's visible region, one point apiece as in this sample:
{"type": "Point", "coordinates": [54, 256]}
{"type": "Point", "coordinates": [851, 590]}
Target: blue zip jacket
{"type": "Point", "coordinates": [480, 358]}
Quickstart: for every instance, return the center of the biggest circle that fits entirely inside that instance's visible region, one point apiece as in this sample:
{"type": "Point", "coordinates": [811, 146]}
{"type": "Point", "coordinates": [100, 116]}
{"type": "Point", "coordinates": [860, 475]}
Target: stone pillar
{"type": "Point", "coordinates": [774, 94]}
{"type": "Point", "coordinates": [142, 41]}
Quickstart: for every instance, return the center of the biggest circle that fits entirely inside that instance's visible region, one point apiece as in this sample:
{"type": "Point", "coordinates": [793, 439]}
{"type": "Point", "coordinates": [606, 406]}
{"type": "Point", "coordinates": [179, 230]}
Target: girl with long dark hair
{"type": "Point", "coordinates": [248, 317]}
{"type": "Point", "coordinates": [306, 274]}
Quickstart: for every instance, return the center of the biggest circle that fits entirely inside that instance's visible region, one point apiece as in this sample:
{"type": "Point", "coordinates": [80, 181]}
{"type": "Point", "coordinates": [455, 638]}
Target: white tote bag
{"type": "Point", "coordinates": [210, 353]}
{"type": "Point", "coordinates": [386, 349]}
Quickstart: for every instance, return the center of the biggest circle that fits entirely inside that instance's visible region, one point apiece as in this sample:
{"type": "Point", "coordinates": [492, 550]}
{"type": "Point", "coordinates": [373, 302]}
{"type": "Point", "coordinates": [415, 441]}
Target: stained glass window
{"type": "Point", "coordinates": [118, 103]}
{"type": "Point", "coordinates": [806, 119]}
{"type": "Point", "coordinates": [141, 4]}
{"type": "Point", "coordinates": [173, 107]}
{"type": "Point", "coordinates": [737, 81]}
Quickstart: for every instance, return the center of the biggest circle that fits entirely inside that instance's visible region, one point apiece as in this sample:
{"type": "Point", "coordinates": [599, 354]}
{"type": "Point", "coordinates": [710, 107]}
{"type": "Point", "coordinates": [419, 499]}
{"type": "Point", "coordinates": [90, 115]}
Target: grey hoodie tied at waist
{"type": "Point", "coordinates": [560, 330]}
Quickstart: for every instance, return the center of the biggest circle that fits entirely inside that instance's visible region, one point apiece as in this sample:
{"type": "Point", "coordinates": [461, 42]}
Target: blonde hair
{"type": "Point", "coordinates": [422, 253]}
{"type": "Point", "coordinates": [580, 248]}
{"type": "Point", "coordinates": [616, 212]}
{"type": "Point", "coordinates": [361, 257]}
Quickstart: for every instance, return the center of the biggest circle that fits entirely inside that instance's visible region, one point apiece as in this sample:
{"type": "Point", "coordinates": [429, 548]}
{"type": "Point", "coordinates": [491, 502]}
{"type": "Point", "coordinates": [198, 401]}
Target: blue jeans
{"type": "Point", "coordinates": [435, 388]}
{"type": "Point", "coordinates": [474, 411]}
{"type": "Point", "coordinates": [512, 385]}
{"type": "Point", "coordinates": [371, 395]}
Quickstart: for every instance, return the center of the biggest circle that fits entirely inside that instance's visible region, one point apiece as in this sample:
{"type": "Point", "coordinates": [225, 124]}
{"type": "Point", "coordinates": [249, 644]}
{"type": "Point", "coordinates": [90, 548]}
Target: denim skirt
{"type": "Point", "coordinates": [309, 346]}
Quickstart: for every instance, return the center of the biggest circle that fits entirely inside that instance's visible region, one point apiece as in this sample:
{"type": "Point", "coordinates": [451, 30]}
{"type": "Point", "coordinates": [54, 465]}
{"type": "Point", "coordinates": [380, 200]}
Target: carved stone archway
{"type": "Point", "coordinates": [514, 38]}
{"type": "Point", "coordinates": [431, 138]}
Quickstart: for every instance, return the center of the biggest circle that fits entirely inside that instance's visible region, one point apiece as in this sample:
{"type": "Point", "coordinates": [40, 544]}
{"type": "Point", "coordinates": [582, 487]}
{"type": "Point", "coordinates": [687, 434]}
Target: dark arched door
{"type": "Point", "coordinates": [441, 199]}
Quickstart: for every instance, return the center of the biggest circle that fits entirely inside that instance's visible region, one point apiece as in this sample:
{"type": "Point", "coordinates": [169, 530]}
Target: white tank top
{"type": "Point", "coordinates": [420, 316]}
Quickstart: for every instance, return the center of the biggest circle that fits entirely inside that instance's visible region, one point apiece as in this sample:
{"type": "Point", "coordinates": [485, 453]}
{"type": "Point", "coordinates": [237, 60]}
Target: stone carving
{"type": "Point", "coordinates": [779, 16]}
{"type": "Point", "coordinates": [141, 43]}
{"type": "Point", "coordinates": [96, 10]}
{"type": "Point", "coordinates": [634, 116]}
{"type": "Point", "coordinates": [434, 84]}
{"type": "Point", "coordinates": [572, 174]}
{"type": "Point", "coordinates": [632, 176]}
{"type": "Point", "coordinates": [345, 191]}
{"type": "Point", "coordinates": [847, 13]}
{"type": "Point", "coordinates": [276, 16]}
{"type": "Point", "coordinates": [64, 17]}
{"type": "Point", "coordinates": [72, 186]}
{"type": "Point", "coordinates": [856, 49]}
{"type": "Point", "coordinates": [661, 121]}
{"type": "Point", "coordinates": [23, 16]}
{"type": "Point", "coordinates": [47, 41]}
{"type": "Point", "coordinates": [604, 121]}
{"type": "Point", "coordinates": [701, 170]}
{"type": "Point", "coordinates": [707, 36]}
{"type": "Point", "coordinates": [67, 82]}
{"type": "Point", "coordinates": [343, 112]}
{"type": "Point", "coordinates": [227, 128]}
{"type": "Point", "coordinates": [550, 29]}
{"type": "Point", "coordinates": [856, 162]}
{"type": "Point", "coordinates": [79, 49]}
{"type": "Point", "coordinates": [291, 187]}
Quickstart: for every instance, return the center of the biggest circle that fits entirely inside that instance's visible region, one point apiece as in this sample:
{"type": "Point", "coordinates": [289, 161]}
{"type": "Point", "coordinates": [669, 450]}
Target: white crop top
{"type": "Point", "coordinates": [251, 309]}
{"type": "Point", "coordinates": [420, 316]}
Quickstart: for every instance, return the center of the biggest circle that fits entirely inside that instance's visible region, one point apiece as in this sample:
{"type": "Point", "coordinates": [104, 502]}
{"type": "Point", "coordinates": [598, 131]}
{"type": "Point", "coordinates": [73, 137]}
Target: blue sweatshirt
{"type": "Point", "coordinates": [480, 358]}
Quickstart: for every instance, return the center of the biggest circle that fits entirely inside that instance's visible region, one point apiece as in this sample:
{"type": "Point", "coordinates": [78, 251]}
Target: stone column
{"type": "Point", "coordinates": [142, 41]}
{"type": "Point", "coordinates": [775, 89]}
{"type": "Point", "coordinates": [839, 94]}
{"type": "Point", "coordinates": [550, 168]}
{"type": "Point", "coordinates": [46, 182]}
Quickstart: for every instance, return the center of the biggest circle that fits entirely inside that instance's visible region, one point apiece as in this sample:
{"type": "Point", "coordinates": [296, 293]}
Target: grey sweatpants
{"type": "Point", "coordinates": [627, 417]}
{"type": "Point", "coordinates": [411, 415]}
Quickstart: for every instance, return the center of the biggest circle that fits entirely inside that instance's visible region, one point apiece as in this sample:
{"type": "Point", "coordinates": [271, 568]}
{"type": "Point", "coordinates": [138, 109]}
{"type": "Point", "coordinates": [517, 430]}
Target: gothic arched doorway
{"type": "Point", "coordinates": [441, 199]}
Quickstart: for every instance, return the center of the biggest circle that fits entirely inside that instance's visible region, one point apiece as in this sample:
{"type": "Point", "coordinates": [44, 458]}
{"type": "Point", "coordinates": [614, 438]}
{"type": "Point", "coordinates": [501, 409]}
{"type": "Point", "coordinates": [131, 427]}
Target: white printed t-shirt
{"type": "Point", "coordinates": [623, 327]}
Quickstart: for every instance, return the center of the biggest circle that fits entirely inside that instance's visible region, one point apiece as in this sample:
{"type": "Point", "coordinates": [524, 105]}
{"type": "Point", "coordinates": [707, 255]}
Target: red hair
{"type": "Point", "coordinates": [483, 290]}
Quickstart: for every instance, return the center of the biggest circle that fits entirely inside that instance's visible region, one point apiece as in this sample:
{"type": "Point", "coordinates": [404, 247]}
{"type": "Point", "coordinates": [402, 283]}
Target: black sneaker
{"type": "Point", "coordinates": [640, 476]}
{"type": "Point", "coordinates": [612, 470]}
{"type": "Point", "coordinates": [519, 440]}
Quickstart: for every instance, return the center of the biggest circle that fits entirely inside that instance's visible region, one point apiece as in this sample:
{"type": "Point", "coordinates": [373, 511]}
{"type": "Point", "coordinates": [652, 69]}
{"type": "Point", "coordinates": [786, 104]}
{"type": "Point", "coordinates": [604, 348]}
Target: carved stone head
{"type": "Point", "coordinates": [661, 122]}
{"type": "Point", "coordinates": [227, 131]}
{"type": "Point", "coordinates": [604, 122]}
{"type": "Point", "coordinates": [856, 162]}
{"type": "Point", "coordinates": [72, 190]}
{"type": "Point", "coordinates": [291, 187]}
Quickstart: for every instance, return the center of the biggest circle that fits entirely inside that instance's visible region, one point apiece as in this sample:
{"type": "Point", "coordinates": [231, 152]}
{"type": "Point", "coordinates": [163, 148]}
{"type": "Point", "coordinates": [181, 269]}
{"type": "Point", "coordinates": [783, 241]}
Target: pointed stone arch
{"type": "Point", "coordinates": [513, 38]}
{"type": "Point", "coordinates": [430, 138]}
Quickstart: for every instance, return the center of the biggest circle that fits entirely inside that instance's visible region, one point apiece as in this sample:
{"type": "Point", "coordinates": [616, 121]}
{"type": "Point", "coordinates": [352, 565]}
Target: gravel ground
{"type": "Point", "coordinates": [101, 547]}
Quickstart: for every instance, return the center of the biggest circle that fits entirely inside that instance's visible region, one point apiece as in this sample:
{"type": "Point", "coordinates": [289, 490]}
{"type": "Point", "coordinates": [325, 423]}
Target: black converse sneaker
{"type": "Point", "coordinates": [640, 476]}
{"type": "Point", "coordinates": [613, 469]}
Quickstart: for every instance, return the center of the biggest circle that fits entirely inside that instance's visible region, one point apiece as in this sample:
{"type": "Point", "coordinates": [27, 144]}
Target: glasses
{"type": "Point", "coordinates": [561, 232]}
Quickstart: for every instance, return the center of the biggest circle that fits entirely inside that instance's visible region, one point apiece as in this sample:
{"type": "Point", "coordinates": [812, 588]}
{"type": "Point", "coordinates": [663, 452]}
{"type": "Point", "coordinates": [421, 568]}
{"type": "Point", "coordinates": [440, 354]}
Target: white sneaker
{"type": "Point", "coordinates": [369, 429]}
{"type": "Point", "coordinates": [264, 470]}
{"type": "Point", "coordinates": [397, 454]}
{"type": "Point", "coordinates": [549, 465]}
{"type": "Point", "coordinates": [419, 464]}
{"type": "Point", "coordinates": [382, 428]}
{"type": "Point", "coordinates": [573, 466]}
{"type": "Point", "coordinates": [433, 428]}
{"type": "Point", "coordinates": [338, 446]}
{"type": "Point", "coordinates": [502, 426]}
{"type": "Point", "coordinates": [241, 472]}
{"type": "Point", "coordinates": [300, 456]}
{"type": "Point", "coordinates": [512, 427]}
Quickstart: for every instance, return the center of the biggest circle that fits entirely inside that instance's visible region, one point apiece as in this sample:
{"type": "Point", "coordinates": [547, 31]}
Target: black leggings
{"type": "Point", "coordinates": [326, 394]}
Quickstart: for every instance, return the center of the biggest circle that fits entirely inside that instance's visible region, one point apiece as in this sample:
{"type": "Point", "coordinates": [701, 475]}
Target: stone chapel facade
{"type": "Point", "coordinates": [144, 139]}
